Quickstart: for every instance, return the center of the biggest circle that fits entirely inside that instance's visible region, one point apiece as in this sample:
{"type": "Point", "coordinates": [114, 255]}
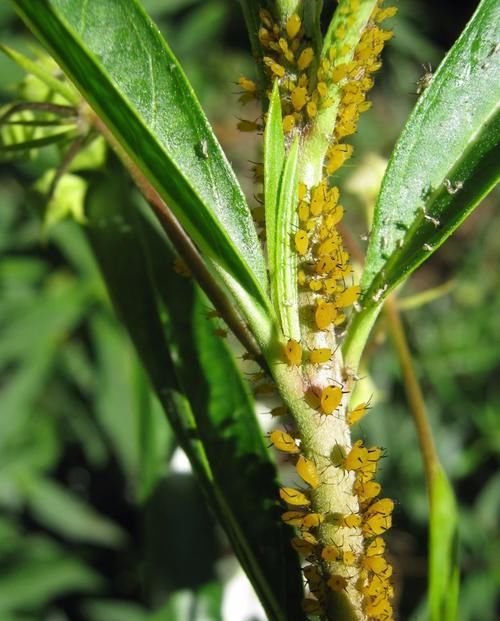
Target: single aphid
{"type": "Point", "coordinates": [284, 442]}
{"type": "Point", "coordinates": [294, 497]}
{"type": "Point", "coordinates": [321, 355]}
{"type": "Point", "coordinates": [293, 352]}
{"type": "Point", "coordinates": [307, 471]}
{"type": "Point", "coordinates": [301, 242]}
{"type": "Point", "coordinates": [331, 396]}
{"type": "Point", "coordinates": [337, 583]}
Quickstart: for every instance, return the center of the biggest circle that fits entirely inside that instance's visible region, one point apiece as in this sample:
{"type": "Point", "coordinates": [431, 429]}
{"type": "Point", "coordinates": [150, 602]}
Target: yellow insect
{"type": "Point", "coordinates": [288, 123]}
{"type": "Point", "coordinates": [298, 97]}
{"type": "Point", "coordinates": [302, 546]}
{"type": "Point", "coordinates": [293, 25]}
{"type": "Point", "coordinates": [376, 547]}
{"type": "Point", "coordinates": [384, 506]}
{"type": "Point", "coordinates": [366, 490]}
{"type": "Point", "coordinates": [301, 242]}
{"type": "Point", "coordinates": [355, 415]}
{"type": "Point", "coordinates": [280, 410]}
{"type": "Point", "coordinates": [331, 396]}
{"type": "Point", "coordinates": [376, 524]}
{"type": "Point", "coordinates": [294, 518]}
{"type": "Point", "coordinates": [294, 497]}
{"type": "Point", "coordinates": [312, 520]}
{"type": "Point", "coordinates": [331, 553]}
{"type": "Point", "coordinates": [376, 564]}
{"type": "Point", "coordinates": [324, 314]}
{"type": "Point", "coordinates": [351, 520]}
{"type": "Point", "coordinates": [337, 583]}
{"type": "Point", "coordinates": [293, 352]}
{"type": "Point", "coordinates": [284, 442]}
{"type": "Point", "coordinates": [277, 69]}
{"type": "Point", "coordinates": [321, 355]}
{"type": "Point", "coordinates": [348, 297]}
{"type": "Point", "coordinates": [305, 58]}
{"type": "Point", "coordinates": [337, 156]}
{"type": "Point", "coordinates": [247, 85]}
{"type": "Point", "coordinates": [307, 471]}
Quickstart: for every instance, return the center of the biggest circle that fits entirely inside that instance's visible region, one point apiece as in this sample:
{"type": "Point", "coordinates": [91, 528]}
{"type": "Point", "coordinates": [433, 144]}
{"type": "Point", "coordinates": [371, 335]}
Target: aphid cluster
{"type": "Point", "coordinates": [309, 85]}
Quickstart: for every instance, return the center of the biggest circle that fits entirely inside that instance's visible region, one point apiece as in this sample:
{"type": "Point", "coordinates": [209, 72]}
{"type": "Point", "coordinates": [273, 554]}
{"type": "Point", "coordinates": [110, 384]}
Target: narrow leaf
{"type": "Point", "coordinates": [140, 92]}
{"type": "Point", "coordinates": [36, 69]}
{"type": "Point", "coordinates": [274, 158]}
{"type": "Point", "coordinates": [443, 546]}
{"type": "Point", "coordinates": [37, 143]}
{"type": "Point", "coordinates": [446, 160]}
{"type": "Point", "coordinates": [285, 281]}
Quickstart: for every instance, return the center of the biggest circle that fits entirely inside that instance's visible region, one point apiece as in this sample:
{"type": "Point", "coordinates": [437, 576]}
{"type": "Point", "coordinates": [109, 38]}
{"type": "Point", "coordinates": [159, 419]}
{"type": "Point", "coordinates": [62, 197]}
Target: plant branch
{"type": "Point", "coordinates": [413, 391]}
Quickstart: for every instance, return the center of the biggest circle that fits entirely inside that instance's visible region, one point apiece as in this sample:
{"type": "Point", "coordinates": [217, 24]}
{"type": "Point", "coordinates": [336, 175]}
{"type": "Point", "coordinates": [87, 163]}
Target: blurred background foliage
{"type": "Point", "coordinates": [100, 519]}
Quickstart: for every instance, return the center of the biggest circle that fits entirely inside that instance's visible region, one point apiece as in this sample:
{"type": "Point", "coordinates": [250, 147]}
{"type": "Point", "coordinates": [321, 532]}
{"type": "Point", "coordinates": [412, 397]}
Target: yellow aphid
{"type": "Point", "coordinates": [328, 247]}
{"type": "Point", "coordinates": [324, 265]}
{"type": "Point", "coordinates": [266, 18]}
{"type": "Point", "coordinates": [302, 546]}
{"type": "Point", "coordinates": [340, 32]}
{"type": "Point", "coordinates": [376, 524]}
{"type": "Point", "coordinates": [305, 58]}
{"type": "Point", "coordinates": [330, 286]}
{"type": "Point", "coordinates": [355, 415]}
{"type": "Point", "coordinates": [352, 520]}
{"type": "Point", "coordinates": [276, 68]}
{"type": "Point", "coordinates": [318, 199]}
{"type": "Point", "coordinates": [324, 315]}
{"type": "Point", "coordinates": [331, 396]}
{"type": "Point", "coordinates": [303, 211]}
{"type": "Point", "coordinates": [376, 547]}
{"type": "Point", "coordinates": [307, 471]}
{"type": "Point", "coordinates": [315, 285]}
{"type": "Point", "coordinates": [349, 558]}
{"type": "Point", "coordinates": [284, 442]}
{"type": "Point", "coordinates": [327, 103]}
{"type": "Point", "coordinates": [293, 352]}
{"type": "Point", "coordinates": [331, 554]}
{"type": "Point", "coordinates": [356, 457]}
{"type": "Point", "coordinates": [321, 355]}
{"type": "Point", "coordinates": [301, 278]}
{"type": "Point", "coordinates": [348, 297]}
{"type": "Point", "coordinates": [340, 72]}
{"type": "Point", "coordinates": [312, 607]}
{"type": "Point", "coordinates": [312, 520]}
{"type": "Point", "coordinates": [247, 85]}
{"type": "Point", "coordinates": [379, 609]}
{"type": "Point", "coordinates": [312, 399]}
{"type": "Point", "coordinates": [382, 14]}
{"type": "Point", "coordinates": [376, 564]}
{"type": "Point", "coordinates": [335, 216]}
{"type": "Point", "coordinates": [367, 490]}
{"type": "Point", "coordinates": [338, 155]}
{"type": "Point", "coordinates": [294, 497]}
{"type": "Point", "coordinates": [248, 126]}
{"type": "Point", "coordinates": [312, 109]}
{"type": "Point", "coordinates": [280, 410]}
{"type": "Point", "coordinates": [264, 36]}
{"type": "Point", "coordinates": [384, 506]}
{"type": "Point", "coordinates": [288, 123]}
{"type": "Point", "coordinates": [293, 25]}
{"type": "Point", "coordinates": [337, 583]}
{"type": "Point", "coordinates": [322, 89]}
{"type": "Point", "coordinates": [301, 242]}
{"type": "Point", "coordinates": [302, 192]}
{"type": "Point", "coordinates": [294, 518]}
{"type": "Point", "coordinates": [364, 106]}
{"type": "Point", "coordinates": [298, 98]}
{"type": "Point", "coordinates": [377, 588]}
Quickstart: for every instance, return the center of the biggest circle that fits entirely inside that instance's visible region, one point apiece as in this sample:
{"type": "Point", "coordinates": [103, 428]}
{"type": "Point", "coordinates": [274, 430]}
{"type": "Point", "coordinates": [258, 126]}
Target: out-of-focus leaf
{"type": "Point", "coordinates": [203, 369]}
{"type": "Point", "coordinates": [443, 549]}
{"type": "Point", "coordinates": [147, 104]}
{"type": "Point", "coordinates": [64, 513]}
{"type": "Point", "coordinates": [67, 200]}
{"type": "Point", "coordinates": [205, 603]}
{"type": "Point", "coordinates": [37, 69]}
{"type": "Point", "coordinates": [445, 162]}
{"type": "Point", "coordinates": [36, 143]}
{"type": "Point", "coordinates": [114, 610]}
{"type": "Point", "coordinates": [37, 581]}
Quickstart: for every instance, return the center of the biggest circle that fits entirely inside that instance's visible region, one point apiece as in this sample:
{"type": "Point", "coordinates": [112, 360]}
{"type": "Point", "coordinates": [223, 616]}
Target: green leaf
{"type": "Point", "coordinates": [38, 70]}
{"type": "Point", "coordinates": [219, 432]}
{"type": "Point", "coordinates": [285, 290]}
{"type": "Point", "coordinates": [37, 143]}
{"type": "Point", "coordinates": [443, 546]}
{"type": "Point", "coordinates": [274, 158]}
{"type": "Point", "coordinates": [60, 511]}
{"type": "Point", "coordinates": [446, 160]}
{"type": "Point", "coordinates": [140, 92]}
{"type": "Point", "coordinates": [114, 610]}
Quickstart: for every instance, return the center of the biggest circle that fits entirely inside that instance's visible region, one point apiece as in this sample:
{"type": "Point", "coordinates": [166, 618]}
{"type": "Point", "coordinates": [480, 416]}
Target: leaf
{"type": "Point", "coordinates": [443, 545]}
{"type": "Point", "coordinates": [69, 516]}
{"type": "Point", "coordinates": [139, 90]}
{"type": "Point", "coordinates": [114, 610]}
{"type": "Point", "coordinates": [285, 279]}
{"type": "Point", "coordinates": [274, 158]}
{"type": "Point", "coordinates": [37, 143]}
{"type": "Point", "coordinates": [37, 69]}
{"type": "Point", "coordinates": [446, 160]}
{"type": "Point", "coordinates": [219, 432]}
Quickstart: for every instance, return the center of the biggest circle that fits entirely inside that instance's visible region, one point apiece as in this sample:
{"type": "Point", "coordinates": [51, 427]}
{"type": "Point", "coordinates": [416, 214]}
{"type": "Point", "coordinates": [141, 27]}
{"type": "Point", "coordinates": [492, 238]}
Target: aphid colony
{"type": "Point", "coordinates": [308, 86]}
{"type": "Point", "coordinates": [370, 571]}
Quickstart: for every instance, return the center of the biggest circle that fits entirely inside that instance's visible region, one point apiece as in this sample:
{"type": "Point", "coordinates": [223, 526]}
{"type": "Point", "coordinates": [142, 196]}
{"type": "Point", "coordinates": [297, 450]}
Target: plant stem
{"type": "Point", "coordinates": [413, 391]}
